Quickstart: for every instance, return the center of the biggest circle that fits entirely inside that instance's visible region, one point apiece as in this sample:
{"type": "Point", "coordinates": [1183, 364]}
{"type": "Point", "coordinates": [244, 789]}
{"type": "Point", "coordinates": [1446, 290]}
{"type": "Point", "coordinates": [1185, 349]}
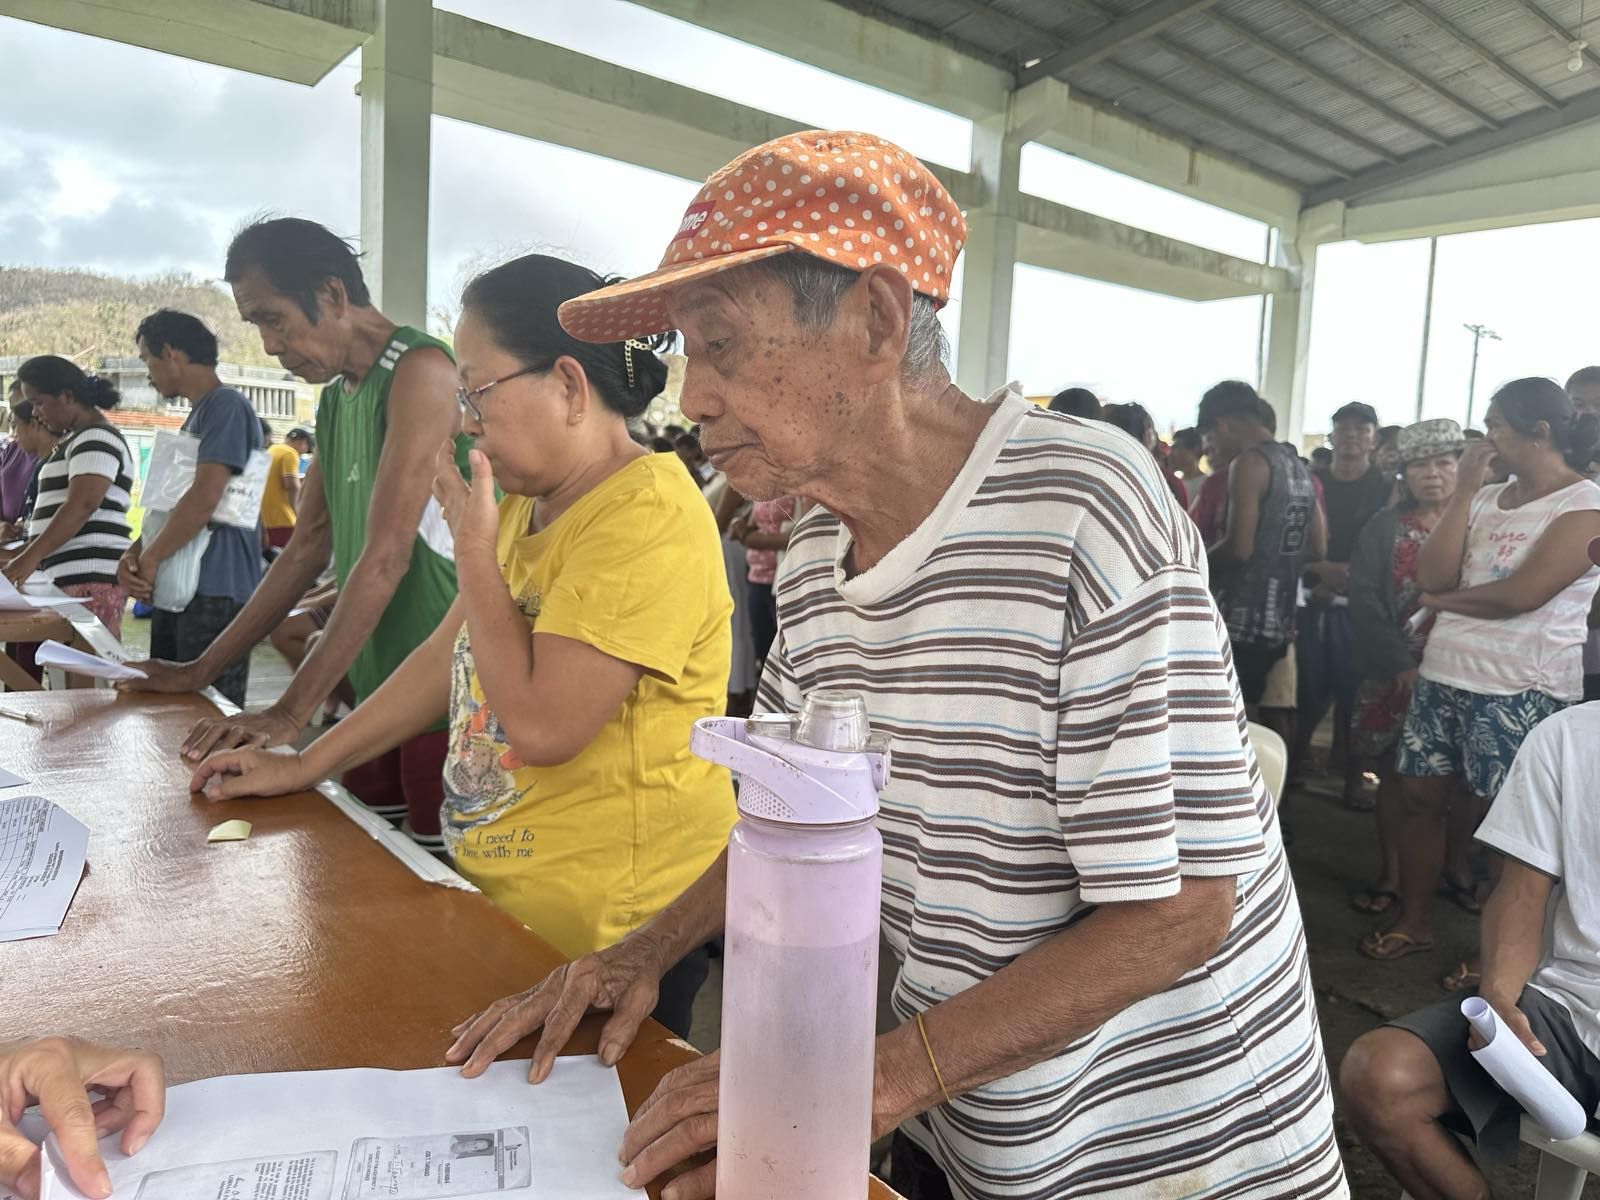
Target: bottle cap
{"type": "Point", "coordinates": [833, 720]}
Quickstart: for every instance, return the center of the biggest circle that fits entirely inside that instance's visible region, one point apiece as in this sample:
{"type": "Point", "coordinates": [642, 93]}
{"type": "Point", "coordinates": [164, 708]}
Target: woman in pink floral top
{"type": "Point", "coordinates": [765, 535]}
{"type": "Point", "coordinates": [1384, 597]}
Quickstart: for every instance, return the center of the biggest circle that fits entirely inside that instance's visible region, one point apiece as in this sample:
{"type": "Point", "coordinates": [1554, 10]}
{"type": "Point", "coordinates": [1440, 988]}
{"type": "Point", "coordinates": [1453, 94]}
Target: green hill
{"type": "Point", "coordinates": [84, 316]}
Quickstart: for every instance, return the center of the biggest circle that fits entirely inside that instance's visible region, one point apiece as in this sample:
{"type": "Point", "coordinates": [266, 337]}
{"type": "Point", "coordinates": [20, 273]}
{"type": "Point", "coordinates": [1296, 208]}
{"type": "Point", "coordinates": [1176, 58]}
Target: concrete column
{"type": "Point", "coordinates": [1288, 335]}
{"type": "Point", "coordinates": [396, 122]}
{"type": "Point", "coordinates": [991, 258]}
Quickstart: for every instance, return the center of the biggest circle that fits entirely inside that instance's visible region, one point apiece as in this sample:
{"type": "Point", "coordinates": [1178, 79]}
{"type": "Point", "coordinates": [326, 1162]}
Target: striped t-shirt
{"type": "Point", "coordinates": [1067, 731]}
{"type": "Point", "coordinates": [90, 555]}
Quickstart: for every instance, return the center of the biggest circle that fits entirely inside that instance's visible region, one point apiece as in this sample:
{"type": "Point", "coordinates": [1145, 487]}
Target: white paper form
{"type": "Point", "coordinates": [12, 600]}
{"type": "Point", "coordinates": [42, 851]}
{"type": "Point", "coordinates": [9, 779]}
{"type": "Point", "coordinates": [80, 662]}
{"type": "Point", "coordinates": [364, 1134]}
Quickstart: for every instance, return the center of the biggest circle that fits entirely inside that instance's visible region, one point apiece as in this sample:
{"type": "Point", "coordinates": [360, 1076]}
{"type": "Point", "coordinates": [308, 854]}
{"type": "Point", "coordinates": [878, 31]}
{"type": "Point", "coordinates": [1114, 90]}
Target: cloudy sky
{"type": "Point", "coordinates": [154, 166]}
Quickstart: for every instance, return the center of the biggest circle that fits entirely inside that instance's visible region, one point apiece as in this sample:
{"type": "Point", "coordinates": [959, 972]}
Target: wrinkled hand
{"type": "Point", "coordinates": [270, 727]}
{"type": "Point", "coordinates": [624, 979]}
{"type": "Point", "coordinates": [136, 577]}
{"type": "Point", "coordinates": [163, 676]}
{"type": "Point", "coordinates": [678, 1121]}
{"type": "Point", "coordinates": [1473, 469]}
{"type": "Point", "coordinates": [231, 774]}
{"type": "Point", "coordinates": [19, 568]}
{"type": "Point", "coordinates": [469, 508]}
{"type": "Point", "coordinates": [58, 1074]}
{"type": "Point", "coordinates": [1513, 1019]}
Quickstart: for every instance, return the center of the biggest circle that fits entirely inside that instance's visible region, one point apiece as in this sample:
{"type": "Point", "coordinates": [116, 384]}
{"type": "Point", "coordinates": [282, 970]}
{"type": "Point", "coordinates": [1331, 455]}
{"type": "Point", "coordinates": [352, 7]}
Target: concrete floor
{"type": "Point", "coordinates": [1333, 854]}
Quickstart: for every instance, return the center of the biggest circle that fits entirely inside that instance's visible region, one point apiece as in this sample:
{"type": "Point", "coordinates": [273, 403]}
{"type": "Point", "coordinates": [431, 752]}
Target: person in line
{"type": "Point", "coordinates": [384, 409]}
{"type": "Point", "coordinates": [281, 498]}
{"type": "Point", "coordinates": [765, 535]}
{"type": "Point", "coordinates": [304, 443]}
{"type": "Point", "coordinates": [1135, 421]}
{"type": "Point", "coordinates": [1354, 490]}
{"type": "Point", "coordinates": [687, 444]}
{"type": "Point", "coordinates": [1584, 389]}
{"type": "Point", "coordinates": [17, 465]}
{"type": "Point", "coordinates": [1076, 402]}
{"type": "Point", "coordinates": [58, 1074]}
{"type": "Point", "coordinates": [1506, 570]}
{"type": "Point", "coordinates": [1272, 528]}
{"type": "Point", "coordinates": [39, 442]}
{"type": "Point", "coordinates": [590, 634]}
{"type": "Point", "coordinates": [1384, 598]}
{"type": "Point", "coordinates": [1105, 703]}
{"type": "Point", "coordinates": [1410, 1087]}
{"type": "Point", "coordinates": [180, 354]}
{"type": "Point", "coordinates": [1184, 460]}
{"type": "Point", "coordinates": [79, 528]}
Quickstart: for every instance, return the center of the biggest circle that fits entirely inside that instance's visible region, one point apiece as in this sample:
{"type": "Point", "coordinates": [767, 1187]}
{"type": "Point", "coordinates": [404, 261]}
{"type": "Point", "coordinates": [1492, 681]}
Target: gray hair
{"type": "Point", "coordinates": [816, 287]}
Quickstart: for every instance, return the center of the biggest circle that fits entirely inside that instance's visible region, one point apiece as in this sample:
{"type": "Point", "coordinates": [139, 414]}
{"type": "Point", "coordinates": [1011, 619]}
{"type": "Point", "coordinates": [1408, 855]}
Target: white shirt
{"type": "Point", "coordinates": [1548, 816]}
{"type": "Point", "coordinates": [1540, 650]}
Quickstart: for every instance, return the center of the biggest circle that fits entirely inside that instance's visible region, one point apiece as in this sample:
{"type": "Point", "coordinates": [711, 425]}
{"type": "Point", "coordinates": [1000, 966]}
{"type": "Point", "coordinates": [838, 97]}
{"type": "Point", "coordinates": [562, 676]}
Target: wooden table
{"type": "Point", "coordinates": [308, 946]}
{"type": "Point", "coordinates": [75, 626]}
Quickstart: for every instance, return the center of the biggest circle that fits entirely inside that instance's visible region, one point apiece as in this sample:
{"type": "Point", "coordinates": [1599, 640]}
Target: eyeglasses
{"type": "Point", "coordinates": [467, 399]}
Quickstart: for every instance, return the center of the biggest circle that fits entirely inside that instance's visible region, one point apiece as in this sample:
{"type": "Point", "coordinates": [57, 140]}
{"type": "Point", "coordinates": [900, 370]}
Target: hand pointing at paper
{"type": "Point", "coordinates": [58, 1074]}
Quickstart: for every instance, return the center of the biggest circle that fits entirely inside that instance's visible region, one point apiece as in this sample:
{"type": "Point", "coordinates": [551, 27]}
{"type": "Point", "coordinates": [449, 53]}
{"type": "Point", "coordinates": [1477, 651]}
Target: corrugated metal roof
{"type": "Point", "coordinates": [1313, 91]}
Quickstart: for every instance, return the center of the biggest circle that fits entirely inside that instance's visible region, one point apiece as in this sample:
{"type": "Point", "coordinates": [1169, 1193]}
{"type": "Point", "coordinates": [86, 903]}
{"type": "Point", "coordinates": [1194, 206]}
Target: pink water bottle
{"type": "Point", "coordinates": [800, 983]}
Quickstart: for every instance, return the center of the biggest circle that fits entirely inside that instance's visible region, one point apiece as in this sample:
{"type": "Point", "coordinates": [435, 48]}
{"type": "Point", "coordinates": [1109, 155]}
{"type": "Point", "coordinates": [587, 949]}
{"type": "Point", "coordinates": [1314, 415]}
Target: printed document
{"type": "Point", "coordinates": [42, 851]}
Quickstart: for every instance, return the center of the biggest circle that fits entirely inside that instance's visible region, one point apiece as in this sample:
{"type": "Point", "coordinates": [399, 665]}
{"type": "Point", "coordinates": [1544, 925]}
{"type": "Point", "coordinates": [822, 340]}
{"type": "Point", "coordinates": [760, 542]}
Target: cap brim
{"type": "Point", "coordinates": [638, 307]}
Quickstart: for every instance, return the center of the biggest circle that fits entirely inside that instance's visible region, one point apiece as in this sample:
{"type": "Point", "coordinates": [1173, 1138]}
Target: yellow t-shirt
{"type": "Point", "coordinates": [584, 852]}
{"type": "Point", "coordinates": [282, 461]}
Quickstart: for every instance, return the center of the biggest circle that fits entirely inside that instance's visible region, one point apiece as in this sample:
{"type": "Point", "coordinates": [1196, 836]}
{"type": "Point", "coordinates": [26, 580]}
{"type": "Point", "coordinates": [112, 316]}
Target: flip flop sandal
{"type": "Point", "coordinates": [1462, 979]}
{"type": "Point", "coordinates": [1386, 947]}
{"type": "Point", "coordinates": [1374, 901]}
{"type": "Point", "coordinates": [1464, 898]}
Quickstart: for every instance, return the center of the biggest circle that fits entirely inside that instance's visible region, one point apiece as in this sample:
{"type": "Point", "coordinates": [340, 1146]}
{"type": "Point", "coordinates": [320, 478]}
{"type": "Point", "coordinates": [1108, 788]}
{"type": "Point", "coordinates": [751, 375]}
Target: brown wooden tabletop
{"type": "Point", "coordinates": [39, 625]}
{"type": "Point", "coordinates": [308, 946]}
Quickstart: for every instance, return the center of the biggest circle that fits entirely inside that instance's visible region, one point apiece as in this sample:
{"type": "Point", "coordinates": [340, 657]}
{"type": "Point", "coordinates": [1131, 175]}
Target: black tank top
{"type": "Point", "coordinates": [1257, 597]}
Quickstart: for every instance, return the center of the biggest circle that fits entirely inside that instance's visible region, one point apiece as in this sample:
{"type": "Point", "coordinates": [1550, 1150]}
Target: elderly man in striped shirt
{"type": "Point", "coordinates": [1084, 883]}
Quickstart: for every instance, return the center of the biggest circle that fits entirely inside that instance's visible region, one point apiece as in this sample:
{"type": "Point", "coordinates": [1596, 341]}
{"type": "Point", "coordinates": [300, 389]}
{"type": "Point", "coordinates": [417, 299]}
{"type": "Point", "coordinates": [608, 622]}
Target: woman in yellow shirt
{"type": "Point", "coordinates": [591, 632]}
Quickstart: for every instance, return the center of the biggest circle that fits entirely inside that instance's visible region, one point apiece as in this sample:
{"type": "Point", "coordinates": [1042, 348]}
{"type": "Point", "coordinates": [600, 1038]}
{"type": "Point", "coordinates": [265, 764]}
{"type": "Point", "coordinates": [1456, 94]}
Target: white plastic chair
{"type": "Point", "coordinates": [1564, 1167]}
{"type": "Point", "coordinates": [1272, 756]}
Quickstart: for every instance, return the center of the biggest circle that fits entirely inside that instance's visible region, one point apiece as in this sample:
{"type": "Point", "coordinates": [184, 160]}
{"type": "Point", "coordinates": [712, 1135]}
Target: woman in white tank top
{"type": "Point", "coordinates": [1507, 570]}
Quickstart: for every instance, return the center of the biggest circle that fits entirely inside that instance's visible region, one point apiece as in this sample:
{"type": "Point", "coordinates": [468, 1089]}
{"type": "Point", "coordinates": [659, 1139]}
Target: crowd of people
{"type": "Point", "coordinates": [1064, 625]}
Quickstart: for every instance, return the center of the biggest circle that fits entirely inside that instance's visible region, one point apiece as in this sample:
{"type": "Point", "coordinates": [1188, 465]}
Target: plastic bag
{"type": "Point", "coordinates": [178, 577]}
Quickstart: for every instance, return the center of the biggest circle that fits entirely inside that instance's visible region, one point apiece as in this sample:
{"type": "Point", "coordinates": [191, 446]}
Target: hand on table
{"type": "Point", "coordinates": [163, 676]}
{"type": "Point", "coordinates": [678, 1121]}
{"type": "Point", "coordinates": [58, 1073]}
{"type": "Point", "coordinates": [230, 774]}
{"type": "Point", "coordinates": [269, 727]}
{"type": "Point", "coordinates": [624, 979]}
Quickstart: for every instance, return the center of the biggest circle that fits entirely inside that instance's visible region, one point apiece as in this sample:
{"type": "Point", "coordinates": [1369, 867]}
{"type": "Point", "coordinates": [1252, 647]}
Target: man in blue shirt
{"type": "Point", "coordinates": [181, 355]}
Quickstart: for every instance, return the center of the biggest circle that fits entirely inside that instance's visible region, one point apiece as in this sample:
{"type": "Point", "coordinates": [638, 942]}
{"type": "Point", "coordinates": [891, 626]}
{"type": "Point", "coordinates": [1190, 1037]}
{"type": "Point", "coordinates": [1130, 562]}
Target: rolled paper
{"type": "Point", "coordinates": [1522, 1076]}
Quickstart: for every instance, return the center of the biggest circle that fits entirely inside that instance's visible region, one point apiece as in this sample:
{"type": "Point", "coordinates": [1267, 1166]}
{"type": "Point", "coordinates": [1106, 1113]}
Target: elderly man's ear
{"type": "Point", "coordinates": [888, 297]}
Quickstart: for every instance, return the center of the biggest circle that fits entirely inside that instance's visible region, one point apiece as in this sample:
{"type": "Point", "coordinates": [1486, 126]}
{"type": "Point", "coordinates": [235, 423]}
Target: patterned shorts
{"type": "Point", "coordinates": [1451, 731]}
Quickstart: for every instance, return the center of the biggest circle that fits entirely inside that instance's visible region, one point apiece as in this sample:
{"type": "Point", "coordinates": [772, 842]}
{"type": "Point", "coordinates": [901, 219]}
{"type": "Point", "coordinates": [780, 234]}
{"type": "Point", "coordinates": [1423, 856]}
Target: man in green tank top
{"type": "Point", "coordinates": [387, 404]}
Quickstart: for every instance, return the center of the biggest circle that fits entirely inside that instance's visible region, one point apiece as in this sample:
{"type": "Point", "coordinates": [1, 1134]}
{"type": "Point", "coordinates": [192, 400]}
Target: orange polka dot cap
{"type": "Point", "coordinates": [850, 198]}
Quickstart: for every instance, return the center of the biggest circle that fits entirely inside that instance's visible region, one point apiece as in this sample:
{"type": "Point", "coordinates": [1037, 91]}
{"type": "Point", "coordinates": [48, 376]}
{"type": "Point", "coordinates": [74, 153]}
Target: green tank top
{"type": "Point", "coordinates": [350, 432]}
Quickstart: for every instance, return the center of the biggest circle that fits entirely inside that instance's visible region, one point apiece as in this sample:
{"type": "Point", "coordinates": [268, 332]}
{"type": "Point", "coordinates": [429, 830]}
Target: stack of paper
{"type": "Point", "coordinates": [79, 662]}
{"type": "Point", "coordinates": [12, 600]}
{"type": "Point", "coordinates": [365, 1134]}
{"type": "Point", "coordinates": [42, 852]}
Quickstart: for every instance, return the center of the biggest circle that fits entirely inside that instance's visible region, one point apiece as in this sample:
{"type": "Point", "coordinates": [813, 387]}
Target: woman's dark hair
{"type": "Point", "coordinates": [169, 327]}
{"type": "Point", "coordinates": [1132, 419]}
{"type": "Point", "coordinates": [518, 301]}
{"type": "Point", "coordinates": [1077, 402]}
{"type": "Point", "coordinates": [56, 376]}
{"type": "Point", "coordinates": [1188, 439]}
{"type": "Point", "coordinates": [297, 257]}
{"type": "Point", "coordinates": [662, 445]}
{"type": "Point", "coordinates": [22, 413]}
{"type": "Point", "coordinates": [1525, 402]}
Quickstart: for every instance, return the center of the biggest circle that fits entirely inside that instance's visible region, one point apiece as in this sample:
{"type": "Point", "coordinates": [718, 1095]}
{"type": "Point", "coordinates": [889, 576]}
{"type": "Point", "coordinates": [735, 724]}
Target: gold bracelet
{"type": "Point", "coordinates": [932, 1062]}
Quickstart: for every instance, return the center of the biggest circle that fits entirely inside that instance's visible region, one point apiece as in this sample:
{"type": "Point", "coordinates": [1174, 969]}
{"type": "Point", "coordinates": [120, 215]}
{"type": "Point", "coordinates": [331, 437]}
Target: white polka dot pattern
{"type": "Point", "coordinates": [851, 198]}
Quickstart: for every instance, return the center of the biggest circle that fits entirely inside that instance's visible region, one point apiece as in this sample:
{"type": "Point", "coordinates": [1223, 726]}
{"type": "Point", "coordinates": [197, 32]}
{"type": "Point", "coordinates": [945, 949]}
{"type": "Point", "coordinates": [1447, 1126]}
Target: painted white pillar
{"type": "Point", "coordinates": [991, 258]}
{"type": "Point", "coordinates": [396, 123]}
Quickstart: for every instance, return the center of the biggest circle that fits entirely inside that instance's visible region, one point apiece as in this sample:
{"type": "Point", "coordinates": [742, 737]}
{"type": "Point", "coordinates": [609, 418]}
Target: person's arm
{"type": "Point", "coordinates": [188, 516]}
{"type": "Point", "coordinates": [291, 489]}
{"type": "Point", "coordinates": [1439, 562]}
{"type": "Point", "coordinates": [407, 703]}
{"type": "Point", "coordinates": [1512, 942]}
{"type": "Point", "coordinates": [291, 573]}
{"type": "Point", "coordinates": [1379, 644]}
{"type": "Point", "coordinates": [1317, 543]}
{"type": "Point", "coordinates": [84, 494]}
{"type": "Point", "coordinates": [1249, 476]}
{"type": "Point", "coordinates": [1558, 560]}
{"type": "Point", "coordinates": [58, 1074]}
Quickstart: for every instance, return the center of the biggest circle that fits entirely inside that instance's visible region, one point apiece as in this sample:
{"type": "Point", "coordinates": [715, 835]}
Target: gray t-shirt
{"type": "Point", "coordinates": [1546, 816]}
{"type": "Point", "coordinates": [229, 432]}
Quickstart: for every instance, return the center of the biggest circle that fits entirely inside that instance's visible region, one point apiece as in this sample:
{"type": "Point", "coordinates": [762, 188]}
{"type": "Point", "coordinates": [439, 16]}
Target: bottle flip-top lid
{"type": "Point", "coordinates": [824, 767]}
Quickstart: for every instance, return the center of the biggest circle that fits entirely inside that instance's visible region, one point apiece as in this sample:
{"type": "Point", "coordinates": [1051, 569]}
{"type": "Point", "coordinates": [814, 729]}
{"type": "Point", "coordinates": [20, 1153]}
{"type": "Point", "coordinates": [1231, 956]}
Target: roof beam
{"type": "Point", "coordinates": [1484, 53]}
{"type": "Point", "coordinates": [1556, 28]}
{"type": "Point", "coordinates": [1537, 124]}
{"type": "Point", "coordinates": [1248, 128]}
{"type": "Point", "coordinates": [1353, 39]}
{"type": "Point", "coordinates": [1289, 58]}
{"type": "Point", "coordinates": [1142, 22]}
